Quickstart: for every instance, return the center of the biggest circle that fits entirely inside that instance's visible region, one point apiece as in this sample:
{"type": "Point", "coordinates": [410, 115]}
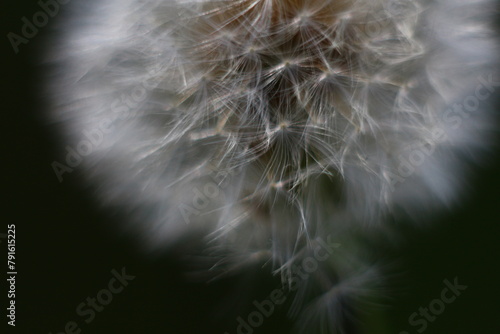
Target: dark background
{"type": "Point", "coordinates": [67, 245]}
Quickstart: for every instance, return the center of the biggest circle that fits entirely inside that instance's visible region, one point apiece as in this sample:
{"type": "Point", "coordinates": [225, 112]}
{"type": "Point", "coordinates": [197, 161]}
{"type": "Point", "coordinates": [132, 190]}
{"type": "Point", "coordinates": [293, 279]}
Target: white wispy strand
{"type": "Point", "coordinates": [298, 110]}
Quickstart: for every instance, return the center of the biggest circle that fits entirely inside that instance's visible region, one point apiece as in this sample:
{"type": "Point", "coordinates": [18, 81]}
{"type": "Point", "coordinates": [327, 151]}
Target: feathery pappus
{"type": "Point", "coordinates": [268, 129]}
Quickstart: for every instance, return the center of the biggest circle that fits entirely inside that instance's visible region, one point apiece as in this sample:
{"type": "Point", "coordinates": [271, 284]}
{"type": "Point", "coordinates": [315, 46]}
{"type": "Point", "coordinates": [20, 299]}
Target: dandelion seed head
{"type": "Point", "coordinates": [264, 125]}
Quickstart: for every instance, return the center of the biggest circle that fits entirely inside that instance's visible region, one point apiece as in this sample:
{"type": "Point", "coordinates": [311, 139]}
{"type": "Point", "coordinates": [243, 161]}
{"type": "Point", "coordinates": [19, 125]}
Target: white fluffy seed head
{"type": "Point", "coordinates": [268, 125]}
